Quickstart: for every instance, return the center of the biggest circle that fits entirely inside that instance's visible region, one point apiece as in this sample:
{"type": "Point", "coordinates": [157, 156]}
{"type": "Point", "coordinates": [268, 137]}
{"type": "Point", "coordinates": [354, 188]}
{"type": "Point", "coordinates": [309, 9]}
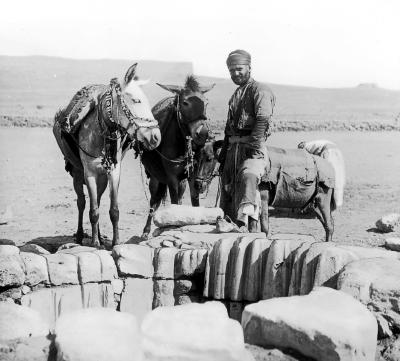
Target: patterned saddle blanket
{"type": "Point", "coordinates": [81, 104]}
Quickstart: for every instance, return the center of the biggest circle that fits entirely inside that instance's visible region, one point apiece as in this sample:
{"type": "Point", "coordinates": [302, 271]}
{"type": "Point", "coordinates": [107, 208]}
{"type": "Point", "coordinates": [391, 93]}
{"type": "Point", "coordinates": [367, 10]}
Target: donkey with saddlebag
{"type": "Point", "coordinates": [293, 179]}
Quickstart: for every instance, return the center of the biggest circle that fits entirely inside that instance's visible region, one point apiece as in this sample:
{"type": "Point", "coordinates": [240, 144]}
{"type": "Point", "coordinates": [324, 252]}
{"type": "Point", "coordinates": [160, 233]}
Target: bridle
{"type": "Point", "coordinates": [210, 177]}
{"type": "Point", "coordinates": [110, 102]}
{"type": "Point", "coordinates": [111, 127]}
{"type": "Point", "coordinates": [189, 153]}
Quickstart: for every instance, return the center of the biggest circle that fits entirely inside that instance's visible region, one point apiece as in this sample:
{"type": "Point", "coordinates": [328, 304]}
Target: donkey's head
{"type": "Point", "coordinates": [207, 165]}
{"type": "Point", "coordinates": [191, 107]}
{"type": "Point", "coordinates": [128, 107]}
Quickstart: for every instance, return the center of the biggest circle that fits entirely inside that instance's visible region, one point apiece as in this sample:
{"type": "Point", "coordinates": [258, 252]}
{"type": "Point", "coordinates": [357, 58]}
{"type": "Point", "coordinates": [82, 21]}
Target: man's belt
{"type": "Point", "coordinates": [240, 139]}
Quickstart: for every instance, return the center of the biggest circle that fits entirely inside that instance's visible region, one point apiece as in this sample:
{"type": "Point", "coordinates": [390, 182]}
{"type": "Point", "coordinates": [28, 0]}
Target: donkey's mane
{"type": "Point", "coordinates": [192, 83]}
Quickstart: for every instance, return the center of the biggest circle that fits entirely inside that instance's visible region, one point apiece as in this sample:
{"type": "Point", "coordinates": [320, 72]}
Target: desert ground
{"type": "Point", "coordinates": [39, 193]}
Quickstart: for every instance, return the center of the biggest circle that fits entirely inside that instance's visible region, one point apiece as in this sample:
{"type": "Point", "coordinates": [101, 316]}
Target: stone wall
{"type": "Point", "coordinates": [178, 266]}
{"type": "Point", "coordinates": [194, 264]}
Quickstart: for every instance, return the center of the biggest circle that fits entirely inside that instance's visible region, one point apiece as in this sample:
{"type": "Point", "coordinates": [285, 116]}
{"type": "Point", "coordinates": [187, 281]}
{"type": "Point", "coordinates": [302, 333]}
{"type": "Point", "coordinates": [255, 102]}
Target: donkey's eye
{"type": "Point", "coordinates": [185, 103]}
{"type": "Point", "coordinates": [137, 101]}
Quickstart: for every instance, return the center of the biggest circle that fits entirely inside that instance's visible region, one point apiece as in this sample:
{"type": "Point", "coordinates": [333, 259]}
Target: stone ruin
{"type": "Point", "coordinates": [190, 293]}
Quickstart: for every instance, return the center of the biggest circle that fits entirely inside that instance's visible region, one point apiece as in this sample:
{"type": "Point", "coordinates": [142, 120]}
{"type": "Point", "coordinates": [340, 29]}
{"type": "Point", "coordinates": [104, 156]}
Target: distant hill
{"type": "Point", "coordinates": [36, 86]}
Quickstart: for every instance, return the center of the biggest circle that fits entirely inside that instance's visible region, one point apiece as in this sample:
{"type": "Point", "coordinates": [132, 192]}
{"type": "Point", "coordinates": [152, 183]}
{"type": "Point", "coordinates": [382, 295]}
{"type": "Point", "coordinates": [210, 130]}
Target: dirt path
{"type": "Point", "coordinates": [33, 182]}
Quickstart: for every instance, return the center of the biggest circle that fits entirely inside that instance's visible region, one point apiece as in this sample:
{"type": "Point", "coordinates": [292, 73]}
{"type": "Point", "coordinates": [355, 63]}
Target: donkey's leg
{"type": "Point", "coordinates": [91, 184]}
{"type": "Point", "coordinates": [323, 205]}
{"type": "Point", "coordinates": [102, 182]}
{"type": "Point", "coordinates": [157, 192]}
{"type": "Point", "coordinates": [174, 190]}
{"type": "Point", "coordinates": [78, 182]}
{"type": "Point", "coordinates": [264, 217]}
{"type": "Point", "coordinates": [194, 193]}
{"type": "Point", "coordinates": [113, 179]}
{"type": "Point", "coordinates": [181, 190]}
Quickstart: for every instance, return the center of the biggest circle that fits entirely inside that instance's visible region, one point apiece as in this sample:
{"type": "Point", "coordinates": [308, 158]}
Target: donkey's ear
{"type": "Point", "coordinates": [205, 89]}
{"type": "Point", "coordinates": [130, 74]}
{"type": "Point", "coordinates": [171, 88]}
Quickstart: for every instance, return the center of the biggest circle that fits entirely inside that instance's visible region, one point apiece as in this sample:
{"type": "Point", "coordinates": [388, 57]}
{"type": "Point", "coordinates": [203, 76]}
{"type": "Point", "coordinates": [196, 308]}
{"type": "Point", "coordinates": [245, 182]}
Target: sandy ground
{"type": "Point", "coordinates": [39, 193]}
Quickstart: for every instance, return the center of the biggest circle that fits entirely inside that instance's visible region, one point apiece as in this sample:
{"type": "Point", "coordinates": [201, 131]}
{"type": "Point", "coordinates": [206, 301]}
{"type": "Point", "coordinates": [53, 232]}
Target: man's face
{"type": "Point", "coordinates": [240, 73]}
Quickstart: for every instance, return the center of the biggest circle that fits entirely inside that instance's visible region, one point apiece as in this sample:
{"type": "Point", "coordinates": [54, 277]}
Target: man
{"type": "Point", "coordinates": [329, 151]}
{"type": "Point", "coordinates": [244, 157]}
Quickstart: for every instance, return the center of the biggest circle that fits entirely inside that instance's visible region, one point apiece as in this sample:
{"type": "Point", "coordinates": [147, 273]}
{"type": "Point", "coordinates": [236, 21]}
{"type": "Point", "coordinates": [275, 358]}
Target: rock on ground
{"type": "Point", "coordinates": [324, 325]}
{"type": "Point", "coordinates": [393, 243]}
{"type": "Point", "coordinates": [98, 334]}
{"type": "Point", "coordinates": [200, 332]}
{"type": "Point", "coordinates": [388, 223]}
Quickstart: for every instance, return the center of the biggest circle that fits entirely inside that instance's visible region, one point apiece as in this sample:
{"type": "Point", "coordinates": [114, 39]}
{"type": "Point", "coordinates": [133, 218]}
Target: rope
{"type": "Point", "coordinates": [145, 186]}
{"type": "Point", "coordinates": [218, 196]}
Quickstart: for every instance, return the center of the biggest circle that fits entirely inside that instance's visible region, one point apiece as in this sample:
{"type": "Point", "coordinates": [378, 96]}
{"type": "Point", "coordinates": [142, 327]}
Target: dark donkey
{"type": "Point", "coordinates": [111, 118]}
{"type": "Point", "coordinates": [295, 179]}
{"type": "Point", "coordinates": [184, 130]}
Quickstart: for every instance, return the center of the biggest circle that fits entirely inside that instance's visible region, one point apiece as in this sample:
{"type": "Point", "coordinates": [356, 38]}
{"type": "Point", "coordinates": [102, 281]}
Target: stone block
{"type": "Point", "coordinates": [235, 269]}
{"type": "Point", "coordinates": [134, 260]}
{"type": "Point", "coordinates": [98, 335]}
{"type": "Point", "coordinates": [375, 282]}
{"type": "Point", "coordinates": [200, 332]}
{"type": "Point", "coordinates": [8, 250]}
{"type": "Point", "coordinates": [164, 262]}
{"type": "Point", "coordinates": [27, 349]}
{"type": "Point", "coordinates": [324, 325]}
{"type": "Point", "coordinates": [137, 297]}
{"type": "Point", "coordinates": [33, 248]}
{"type": "Point", "coordinates": [309, 266]}
{"type": "Point", "coordinates": [332, 260]}
{"type": "Point", "coordinates": [255, 260]}
{"type": "Point", "coordinates": [117, 285]}
{"type": "Point", "coordinates": [190, 262]}
{"type": "Point", "coordinates": [181, 215]}
{"type": "Point", "coordinates": [163, 293]}
{"type": "Point", "coordinates": [12, 268]}
{"type": "Point", "coordinates": [19, 321]}
{"type": "Point", "coordinates": [89, 267]}
{"type": "Point", "coordinates": [297, 265]}
{"type": "Point", "coordinates": [51, 303]}
{"type": "Point", "coordinates": [108, 267]}
{"type": "Point", "coordinates": [194, 228]}
{"type": "Point", "coordinates": [63, 268]}
{"type": "Point", "coordinates": [278, 268]}
{"type": "Point", "coordinates": [182, 287]}
{"type": "Point", "coordinates": [35, 268]}
{"type": "Point", "coordinates": [188, 298]}
{"type": "Point", "coordinates": [216, 268]}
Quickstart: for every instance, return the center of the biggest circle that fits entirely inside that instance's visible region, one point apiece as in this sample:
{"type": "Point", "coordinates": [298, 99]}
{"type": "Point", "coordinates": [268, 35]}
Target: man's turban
{"type": "Point", "coordinates": [238, 57]}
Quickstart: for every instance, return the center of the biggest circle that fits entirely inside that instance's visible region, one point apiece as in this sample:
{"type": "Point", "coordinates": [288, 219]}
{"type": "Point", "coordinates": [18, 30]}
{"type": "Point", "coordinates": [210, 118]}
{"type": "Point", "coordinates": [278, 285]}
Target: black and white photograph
{"type": "Point", "coordinates": [200, 180]}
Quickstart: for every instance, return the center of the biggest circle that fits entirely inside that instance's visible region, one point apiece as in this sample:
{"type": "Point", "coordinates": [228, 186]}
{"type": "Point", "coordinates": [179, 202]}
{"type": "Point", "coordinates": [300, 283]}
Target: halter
{"type": "Point", "coordinates": [111, 129]}
{"type": "Point", "coordinates": [189, 154]}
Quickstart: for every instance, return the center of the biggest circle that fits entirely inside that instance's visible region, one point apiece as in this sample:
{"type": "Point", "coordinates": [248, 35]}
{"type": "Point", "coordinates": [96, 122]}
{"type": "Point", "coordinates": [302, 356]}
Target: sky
{"type": "Point", "coordinates": [320, 43]}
